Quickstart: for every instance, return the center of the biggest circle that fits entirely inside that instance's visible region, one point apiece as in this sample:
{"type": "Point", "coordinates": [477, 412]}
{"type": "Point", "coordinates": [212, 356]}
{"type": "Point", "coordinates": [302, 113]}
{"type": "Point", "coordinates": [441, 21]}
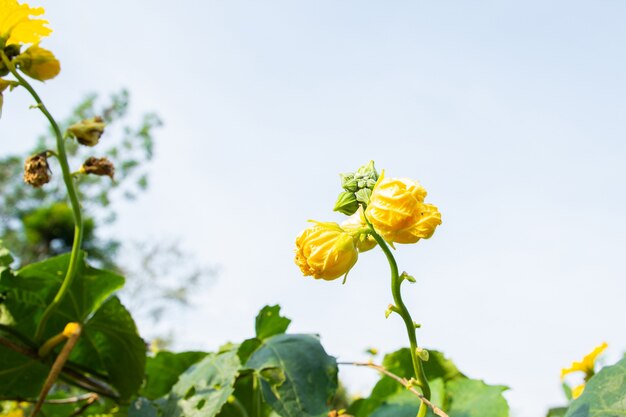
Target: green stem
{"type": "Point", "coordinates": [237, 404]}
{"type": "Point", "coordinates": [396, 283]}
{"type": "Point", "coordinates": [257, 396]}
{"type": "Point", "coordinates": [72, 193]}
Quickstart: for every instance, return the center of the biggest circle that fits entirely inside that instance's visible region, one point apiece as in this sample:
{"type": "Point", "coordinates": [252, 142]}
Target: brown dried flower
{"type": "Point", "coordinates": [36, 170]}
{"type": "Point", "coordinates": [98, 166]}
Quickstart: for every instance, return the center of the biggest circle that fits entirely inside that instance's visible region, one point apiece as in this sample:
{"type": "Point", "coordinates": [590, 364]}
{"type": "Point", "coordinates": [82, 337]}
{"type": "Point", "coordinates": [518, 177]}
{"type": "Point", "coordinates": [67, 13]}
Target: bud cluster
{"type": "Point", "coordinates": [389, 208]}
{"type": "Point", "coordinates": [357, 187]}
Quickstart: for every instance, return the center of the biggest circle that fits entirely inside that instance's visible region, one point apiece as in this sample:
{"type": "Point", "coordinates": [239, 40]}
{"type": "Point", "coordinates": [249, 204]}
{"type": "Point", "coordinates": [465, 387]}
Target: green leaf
{"type": "Point", "coordinates": [438, 366]}
{"type": "Point", "coordinates": [604, 394]}
{"type": "Point", "coordinates": [269, 322]}
{"type": "Point", "coordinates": [308, 377]}
{"type": "Point", "coordinates": [109, 343]}
{"type": "Point", "coordinates": [141, 407]}
{"type": "Point", "coordinates": [205, 387]}
{"type": "Point", "coordinates": [557, 412]}
{"type": "Point", "coordinates": [474, 398]}
{"type": "Point", "coordinates": [247, 348]}
{"type": "Point", "coordinates": [402, 404]}
{"type": "Point", "coordinates": [163, 370]}
{"type": "Point", "coordinates": [244, 399]}
{"type": "Point", "coordinates": [5, 257]}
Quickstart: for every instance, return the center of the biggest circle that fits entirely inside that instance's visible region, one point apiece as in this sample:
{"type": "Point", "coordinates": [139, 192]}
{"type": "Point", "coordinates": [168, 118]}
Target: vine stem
{"type": "Point", "coordinates": [72, 194]}
{"type": "Point", "coordinates": [400, 308]}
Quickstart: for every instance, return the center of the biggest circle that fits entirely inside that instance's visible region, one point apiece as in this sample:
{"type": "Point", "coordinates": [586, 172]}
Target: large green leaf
{"type": "Point", "coordinates": [204, 388]}
{"type": "Point", "coordinates": [604, 394]}
{"type": "Point", "coordinates": [474, 398]}
{"type": "Point", "coordinates": [163, 370]}
{"type": "Point", "coordinates": [109, 344]}
{"type": "Point", "coordinates": [298, 378]}
{"type": "Point", "coordinates": [269, 322]}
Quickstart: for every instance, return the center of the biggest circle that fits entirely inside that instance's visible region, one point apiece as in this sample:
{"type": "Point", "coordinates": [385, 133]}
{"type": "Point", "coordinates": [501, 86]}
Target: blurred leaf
{"type": "Point", "coordinates": [310, 375]}
{"type": "Point", "coordinates": [557, 412]}
{"type": "Point", "coordinates": [474, 398]}
{"type": "Point", "coordinates": [205, 387]}
{"type": "Point", "coordinates": [141, 407]}
{"type": "Point", "coordinates": [269, 322]}
{"type": "Point", "coordinates": [163, 370]}
{"type": "Point", "coordinates": [604, 394]}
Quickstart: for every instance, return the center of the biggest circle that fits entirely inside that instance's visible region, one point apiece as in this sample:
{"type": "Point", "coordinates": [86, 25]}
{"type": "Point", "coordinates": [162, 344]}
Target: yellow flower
{"type": "Point", "coordinates": [38, 63]}
{"type": "Point", "coordinates": [587, 364]}
{"type": "Point", "coordinates": [358, 228]}
{"type": "Point", "coordinates": [398, 213]}
{"type": "Point", "coordinates": [17, 26]}
{"type": "Point", "coordinates": [325, 251]}
{"type": "Point", "coordinates": [13, 413]}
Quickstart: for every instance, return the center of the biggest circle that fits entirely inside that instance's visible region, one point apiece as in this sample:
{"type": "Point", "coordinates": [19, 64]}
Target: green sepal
{"type": "Point", "coordinates": [346, 203]}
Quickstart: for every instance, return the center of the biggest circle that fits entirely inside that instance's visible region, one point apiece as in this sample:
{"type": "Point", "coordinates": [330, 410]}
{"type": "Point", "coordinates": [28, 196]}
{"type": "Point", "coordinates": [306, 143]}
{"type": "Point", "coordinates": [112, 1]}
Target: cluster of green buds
{"type": "Point", "coordinates": [357, 187]}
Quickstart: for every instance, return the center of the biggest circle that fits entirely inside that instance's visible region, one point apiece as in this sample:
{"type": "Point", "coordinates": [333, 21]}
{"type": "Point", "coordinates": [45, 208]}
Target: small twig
{"type": "Point", "coordinates": [56, 369]}
{"type": "Point", "coordinates": [69, 400]}
{"type": "Point", "coordinates": [85, 406]}
{"type": "Point", "coordinates": [18, 348]}
{"type": "Point", "coordinates": [403, 381]}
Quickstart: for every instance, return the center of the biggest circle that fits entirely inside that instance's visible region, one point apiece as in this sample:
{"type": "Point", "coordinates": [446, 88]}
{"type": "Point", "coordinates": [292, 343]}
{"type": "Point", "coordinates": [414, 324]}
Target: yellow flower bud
{"type": "Point", "coordinates": [358, 228]}
{"type": "Point", "coordinates": [38, 63]}
{"type": "Point", "coordinates": [398, 213]}
{"type": "Point", "coordinates": [71, 329]}
{"type": "Point", "coordinates": [325, 251]}
{"type": "Point", "coordinates": [87, 132]}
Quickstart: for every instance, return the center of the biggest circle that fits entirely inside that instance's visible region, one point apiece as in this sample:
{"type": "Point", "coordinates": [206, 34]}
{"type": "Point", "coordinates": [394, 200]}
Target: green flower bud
{"type": "Point", "coordinates": [363, 195]}
{"type": "Point", "coordinates": [422, 354]}
{"type": "Point", "coordinates": [348, 182]}
{"type": "Point", "coordinates": [367, 172]}
{"type": "Point", "coordinates": [346, 203]}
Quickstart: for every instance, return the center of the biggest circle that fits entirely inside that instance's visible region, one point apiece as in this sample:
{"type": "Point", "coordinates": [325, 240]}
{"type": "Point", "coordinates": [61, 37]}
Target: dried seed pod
{"type": "Point", "coordinates": [36, 170]}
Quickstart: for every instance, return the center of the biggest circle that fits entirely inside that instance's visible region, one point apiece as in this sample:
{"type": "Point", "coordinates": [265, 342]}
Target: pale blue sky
{"type": "Point", "coordinates": [511, 114]}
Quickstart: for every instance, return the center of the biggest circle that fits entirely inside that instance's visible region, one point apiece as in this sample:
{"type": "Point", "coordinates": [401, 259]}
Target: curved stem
{"type": "Point", "coordinates": [71, 191]}
{"type": "Point", "coordinates": [396, 283]}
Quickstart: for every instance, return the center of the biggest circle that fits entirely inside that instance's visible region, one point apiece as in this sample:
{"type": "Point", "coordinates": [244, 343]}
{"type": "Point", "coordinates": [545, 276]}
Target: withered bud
{"type": "Point", "coordinates": [36, 170]}
{"type": "Point", "coordinates": [87, 132]}
{"type": "Point", "coordinates": [98, 166]}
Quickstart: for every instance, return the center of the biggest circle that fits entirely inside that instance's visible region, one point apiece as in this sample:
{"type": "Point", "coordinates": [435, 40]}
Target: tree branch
{"type": "Point", "coordinates": [403, 381]}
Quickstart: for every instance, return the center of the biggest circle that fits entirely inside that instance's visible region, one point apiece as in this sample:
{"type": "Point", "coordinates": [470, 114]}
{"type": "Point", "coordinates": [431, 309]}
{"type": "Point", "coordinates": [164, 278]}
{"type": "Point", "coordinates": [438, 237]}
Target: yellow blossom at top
{"type": "Point", "coordinates": [325, 251]}
{"type": "Point", "coordinates": [398, 213]}
{"type": "Point", "coordinates": [17, 26]}
{"type": "Point", "coordinates": [587, 364]}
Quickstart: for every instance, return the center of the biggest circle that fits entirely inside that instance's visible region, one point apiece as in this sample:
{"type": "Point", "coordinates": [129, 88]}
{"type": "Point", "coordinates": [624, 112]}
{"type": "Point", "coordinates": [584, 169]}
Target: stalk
{"type": "Point", "coordinates": [72, 193]}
